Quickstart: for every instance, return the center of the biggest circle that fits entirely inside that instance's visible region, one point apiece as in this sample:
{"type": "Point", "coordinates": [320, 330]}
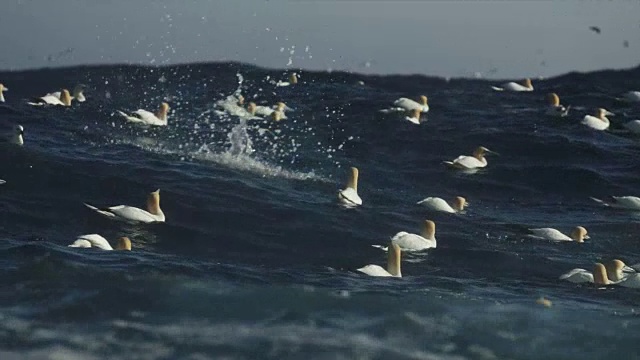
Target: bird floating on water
{"type": "Point", "coordinates": [631, 96]}
{"type": "Point", "coordinates": [97, 241]}
{"type": "Point", "coordinates": [579, 276]}
{"type": "Point", "coordinates": [620, 202]}
{"type": "Point", "coordinates": [465, 162]}
{"type": "Point", "coordinates": [514, 86]}
{"type": "Point", "coordinates": [393, 264]}
{"type": "Point", "coordinates": [134, 214]}
{"type": "Point", "coordinates": [15, 136]}
{"type": "Point", "coordinates": [61, 98]}
{"type": "Point", "coordinates": [633, 126]}
{"type": "Point", "coordinates": [405, 104]}
{"type": "Point", "coordinates": [147, 117]}
{"type": "Point", "coordinates": [414, 242]}
{"type": "Point", "coordinates": [578, 234]}
{"type": "Point", "coordinates": [349, 195]}
{"type": "Point", "coordinates": [293, 79]}
{"type": "Point", "coordinates": [78, 93]}
{"type": "Point", "coordinates": [597, 121]}
{"type": "Point", "coordinates": [623, 275]}
{"type": "Point", "coordinates": [438, 204]}
{"type": "Point", "coordinates": [554, 108]}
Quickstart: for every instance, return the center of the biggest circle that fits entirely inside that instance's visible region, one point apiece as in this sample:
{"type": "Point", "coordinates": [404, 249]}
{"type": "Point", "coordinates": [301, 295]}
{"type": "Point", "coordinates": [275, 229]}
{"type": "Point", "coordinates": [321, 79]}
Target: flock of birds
{"type": "Point", "coordinates": [613, 272]}
{"type": "Point", "coordinates": [232, 105]}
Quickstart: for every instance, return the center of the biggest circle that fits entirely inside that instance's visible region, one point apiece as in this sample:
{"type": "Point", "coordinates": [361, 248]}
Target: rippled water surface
{"type": "Point", "coordinates": [256, 259]}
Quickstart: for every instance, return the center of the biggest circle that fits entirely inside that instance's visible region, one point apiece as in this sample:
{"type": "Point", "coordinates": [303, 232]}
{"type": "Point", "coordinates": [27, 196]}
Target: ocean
{"type": "Point", "coordinates": [256, 260]}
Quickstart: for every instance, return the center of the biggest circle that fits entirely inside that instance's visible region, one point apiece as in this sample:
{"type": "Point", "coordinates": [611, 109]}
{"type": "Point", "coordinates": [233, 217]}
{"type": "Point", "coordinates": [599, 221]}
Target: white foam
{"type": "Point", "coordinates": [248, 163]}
{"type": "Point", "coordinates": [240, 161]}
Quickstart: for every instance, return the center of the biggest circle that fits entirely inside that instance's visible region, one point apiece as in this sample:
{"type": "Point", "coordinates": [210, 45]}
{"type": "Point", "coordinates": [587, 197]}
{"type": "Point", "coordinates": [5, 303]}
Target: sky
{"type": "Point", "coordinates": [492, 39]}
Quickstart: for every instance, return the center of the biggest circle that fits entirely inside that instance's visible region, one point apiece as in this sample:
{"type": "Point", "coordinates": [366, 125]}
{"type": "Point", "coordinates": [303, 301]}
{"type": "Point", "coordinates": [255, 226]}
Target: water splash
{"type": "Point", "coordinates": [239, 139]}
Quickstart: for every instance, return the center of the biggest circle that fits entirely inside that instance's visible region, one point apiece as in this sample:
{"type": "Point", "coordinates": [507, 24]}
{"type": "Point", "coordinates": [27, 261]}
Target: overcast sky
{"type": "Point", "coordinates": [446, 38]}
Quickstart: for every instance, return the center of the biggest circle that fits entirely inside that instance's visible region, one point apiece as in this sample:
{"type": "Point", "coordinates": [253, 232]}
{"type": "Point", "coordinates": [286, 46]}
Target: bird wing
{"type": "Point", "coordinates": [349, 196]}
{"type": "Point", "coordinates": [81, 243]}
{"type": "Point", "coordinates": [146, 116]}
{"type": "Point", "coordinates": [96, 241]}
{"type": "Point", "coordinates": [436, 203]}
{"type": "Point", "coordinates": [549, 234]}
{"type": "Point", "coordinates": [412, 242]}
{"type": "Point", "coordinates": [263, 110]}
{"type": "Point", "coordinates": [374, 270]}
{"type": "Point", "coordinates": [131, 213]}
{"type": "Point", "coordinates": [52, 99]}
{"type": "Point", "coordinates": [577, 276]}
{"type": "Point", "coordinates": [594, 122]}
{"type": "Point", "coordinates": [468, 162]}
{"type": "Point", "coordinates": [407, 104]}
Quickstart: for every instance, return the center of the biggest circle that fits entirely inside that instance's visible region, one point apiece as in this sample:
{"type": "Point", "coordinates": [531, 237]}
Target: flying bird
{"type": "Point", "coordinates": [595, 29]}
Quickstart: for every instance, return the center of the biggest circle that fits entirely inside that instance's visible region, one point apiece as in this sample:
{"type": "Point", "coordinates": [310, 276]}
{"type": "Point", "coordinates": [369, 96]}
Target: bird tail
{"type": "Point", "coordinates": [129, 117]}
{"type": "Point", "coordinates": [103, 212]}
{"type": "Point", "coordinates": [497, 88]}
{"type": "Point", "coordinates": [121, 113]}
{"type": "Point", "coordinates": [392, 110]}
{"type": "Point", "coordinates": [599, 201]}
{"type": "Point", "coordinates": [384, 248]}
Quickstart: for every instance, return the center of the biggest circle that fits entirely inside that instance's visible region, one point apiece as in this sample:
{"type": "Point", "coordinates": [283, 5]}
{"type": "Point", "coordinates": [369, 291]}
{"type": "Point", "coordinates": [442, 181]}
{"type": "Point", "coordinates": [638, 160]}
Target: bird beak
{"type": "Point", "coordinates": [587, 237]}
{"type": "Point", "coordinates": [493, 152]}
{"type": "Point", "coordinates": [609, 113]}
{"type": "Point", "coordinates": [628, 269]}
{"type": "Point", "coordinates": [288, 108]}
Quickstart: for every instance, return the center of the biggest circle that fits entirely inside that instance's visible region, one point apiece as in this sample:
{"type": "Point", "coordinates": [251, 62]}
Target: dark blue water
{"type": "Point", "coordinates": [256, 260]}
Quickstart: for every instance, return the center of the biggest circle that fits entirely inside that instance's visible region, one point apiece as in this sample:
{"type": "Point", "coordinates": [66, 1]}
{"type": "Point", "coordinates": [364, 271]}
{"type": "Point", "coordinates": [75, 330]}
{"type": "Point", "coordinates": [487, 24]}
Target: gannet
{"type": "Point", "coordinates": [514, 86]}
{"type": "Point", "coordinates": [393, 265]}
{"type": "Point", "coordinates": [78, 93]}
{"type": "Point", "coordinates": [631, 96]}
{"type": "Point", "coordinates": [97, 241]}
{"type": "Point", "coordinates": [621, 202]}
{"type": "Point", "coordinates": [405, 104]}
{"type": "Point", "coordinates": [415, 242]}
{"type": "Point", "coordinates": [633, 126]}
{"type": "Point", "coordinates": [598, 121]}
{"type": "Point", "coordinates": [349, 195]}
{"type": "Point", "coordinates": [554, 108]}
{"type": "Point", "coordinates": [146, 117]}
{"type": "Point", "coordinates": [15, 136]}
{"type": "Point", "coordinates": [579, 234]}
{"type": "Point", "coordinates": [578, 276]}
{"type": "Point", "coordinates": [293, 79]}
{"type": "Point", "coordinates": [134, 214]}
{"type": "Point", "coordinates": [267, 111]}
{"type": "Point", "coordinates": [439, 204]}
{"type": "Point", "coordinates": [471, 162]}
{"type": "Point", "coordinates": [62, 98]}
